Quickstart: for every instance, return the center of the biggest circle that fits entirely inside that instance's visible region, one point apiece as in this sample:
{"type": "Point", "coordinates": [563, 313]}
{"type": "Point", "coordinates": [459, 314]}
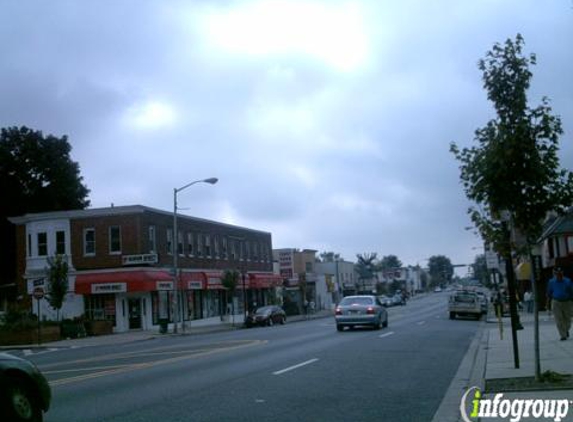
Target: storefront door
{"type": "Point", "coordinates": [134, 306]}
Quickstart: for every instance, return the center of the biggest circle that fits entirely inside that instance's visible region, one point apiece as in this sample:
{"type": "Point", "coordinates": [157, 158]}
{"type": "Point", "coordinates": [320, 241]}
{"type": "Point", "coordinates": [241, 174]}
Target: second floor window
{"type": "Point", "coordinates": [180, 243]}
{"type": "Point", "coordinates": [170, 241]}
{"type": "Point", "coordinates": [61, 242]}
{"type": "Point", "coordinates": [207, 246]}
{"type": "Point", "coordinates": [152, 240]}
{"type": "Point", "coordinates": [42, 244]}
{"type": "Point", "coordinates": [89, 242]}
{"type": "Point", "coordinates": [190, 244]}
{"type": "Point", "coordinates": [114, 239]}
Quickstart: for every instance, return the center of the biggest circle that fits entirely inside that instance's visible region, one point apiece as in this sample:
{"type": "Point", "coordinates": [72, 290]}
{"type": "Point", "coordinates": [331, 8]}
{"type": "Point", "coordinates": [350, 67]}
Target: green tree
{"type": "Point", "coordinates": [441, 270]}
{"type": "Point", "coordinates": [57, 282]}
{"type": "Point", "coordinates": [37, 174]}
{"type": "Point", "coordinates": [480, 270]}
{"type": "Point", "coordinates": [389, 262]}
{"type": "Point", "coordinates": [230, 280]}
{"type": "Point", "coordinates": [366, 267]}
{"type": "Point", "coordinates": [515, 167]}
{"type": "Point", "coordinates": [329, 257]}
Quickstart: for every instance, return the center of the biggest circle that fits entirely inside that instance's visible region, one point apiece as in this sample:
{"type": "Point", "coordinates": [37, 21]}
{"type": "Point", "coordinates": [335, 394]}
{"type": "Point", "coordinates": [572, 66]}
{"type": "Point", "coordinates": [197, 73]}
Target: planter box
{"type": "Point", "coordinates": [11, 338]}
{"type": "Point", "coordinates": [98, 328]}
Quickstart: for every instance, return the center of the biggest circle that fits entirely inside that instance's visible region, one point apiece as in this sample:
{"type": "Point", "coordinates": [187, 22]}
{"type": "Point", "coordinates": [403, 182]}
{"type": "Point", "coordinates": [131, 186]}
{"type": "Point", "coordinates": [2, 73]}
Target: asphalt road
{"type": "Point", "coordinates": [304, 371]}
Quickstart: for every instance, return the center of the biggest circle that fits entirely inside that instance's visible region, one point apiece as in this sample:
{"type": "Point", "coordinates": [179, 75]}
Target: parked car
{"type": "Point", "coordinates": [438, 290]}
{"type": "Point", "coordinates": [360, 310]}
{"type": "Point", "coordinates": [266, 315]}
{"type": "Point", "coordinates": [24, 392]}
{"type": "Point", "coordinates": [398, 299]}
{"type": "Point", "coordinates": [385, 301]}
{"type": "Point", "coordinates": [464, 303]}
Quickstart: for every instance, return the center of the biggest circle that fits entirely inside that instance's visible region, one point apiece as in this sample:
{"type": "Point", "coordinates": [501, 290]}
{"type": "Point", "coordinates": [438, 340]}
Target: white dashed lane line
{"type": "Point", "coordinates": [386, 334]}
{"type": "Point", "coordinates": [291, 368]}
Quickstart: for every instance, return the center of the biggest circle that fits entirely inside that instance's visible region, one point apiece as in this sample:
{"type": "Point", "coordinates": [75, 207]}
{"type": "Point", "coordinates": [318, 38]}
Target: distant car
{"type": "Point", "coordinates": [385, 301]}
{"type": "Point", "coordinates": [24, 392]}
{"type": "Point", "coordinates": [438, 290]}
{"type": "Point", "coordinates": [398, 299]}
{"type": "Point", "coordinates": [266, 315]}
{"type": "Point", "coordinates": [360, 310]}
{"type": "Point", "coordinates": [464, 303]}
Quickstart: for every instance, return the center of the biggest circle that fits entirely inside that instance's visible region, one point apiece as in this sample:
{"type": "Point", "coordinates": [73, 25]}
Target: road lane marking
{"type": "Point", "coordinates": [386, 334]}
{"type": "Point", "coordinates": [144, 365]}
{"type": "Point", "coordinates": [27, 352]}
{"type": "Point", "coordinates": [291, 368]}
{"type": "Point", "coordinates": [421, 322]}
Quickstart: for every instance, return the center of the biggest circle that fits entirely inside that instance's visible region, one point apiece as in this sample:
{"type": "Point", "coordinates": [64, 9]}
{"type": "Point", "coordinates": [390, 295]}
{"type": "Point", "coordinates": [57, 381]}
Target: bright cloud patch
{"type": "Point", "coordinates": [331, 33]}
{"type": "Point", "coordinates": [151, 115]}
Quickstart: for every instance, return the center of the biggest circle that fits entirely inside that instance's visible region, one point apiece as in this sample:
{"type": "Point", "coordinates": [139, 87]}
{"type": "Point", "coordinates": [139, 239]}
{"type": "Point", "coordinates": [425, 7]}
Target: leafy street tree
{"type": "Point", "coordinates": [230, 280]}
{"type": "Point", "coordinates": [57, 282]}
{"type": "Point", "coordinates": [514, 171]}
{"type": "Point", "coordinates": [366, 267]}
{"type": "Point", "coordinates": [480, 270]}
{"type": "Point", "coordinates": [389, 262]}
{"type": "Point", "coordinates": [515, 167]}
{"type": "Point", "coordinates": [37, 174]}
{"type": "Point", "coordinates": [441, 270]}
{"type": "Point", "coordinates": [329, 257]}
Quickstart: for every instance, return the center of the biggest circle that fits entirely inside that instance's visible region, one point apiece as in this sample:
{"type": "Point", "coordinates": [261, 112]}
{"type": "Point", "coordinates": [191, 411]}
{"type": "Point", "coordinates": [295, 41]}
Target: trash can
{"type": "Point", "coordinates": [163, 325]}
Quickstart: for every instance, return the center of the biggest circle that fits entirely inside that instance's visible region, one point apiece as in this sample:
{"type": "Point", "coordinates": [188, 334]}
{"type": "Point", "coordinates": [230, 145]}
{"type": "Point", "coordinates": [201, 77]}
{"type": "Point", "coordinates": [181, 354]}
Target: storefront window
{"type": "Point", "coordinates": [100, 307]}
{"type": "Point", "coordinates": [160, 306]}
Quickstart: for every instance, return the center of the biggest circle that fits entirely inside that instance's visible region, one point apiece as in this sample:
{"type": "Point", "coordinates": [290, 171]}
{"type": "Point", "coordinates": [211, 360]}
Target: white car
{"type": "Point", "coordinates": [360, 310]}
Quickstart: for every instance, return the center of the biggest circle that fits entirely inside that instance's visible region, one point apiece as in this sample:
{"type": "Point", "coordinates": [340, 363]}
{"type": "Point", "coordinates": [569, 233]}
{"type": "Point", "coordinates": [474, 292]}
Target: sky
{"type": "Point", "coordinates": [327, 123]}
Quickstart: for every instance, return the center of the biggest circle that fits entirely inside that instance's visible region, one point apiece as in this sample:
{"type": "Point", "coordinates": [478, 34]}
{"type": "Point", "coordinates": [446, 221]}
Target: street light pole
{"type": "Point", "coordinates": [177, 299]}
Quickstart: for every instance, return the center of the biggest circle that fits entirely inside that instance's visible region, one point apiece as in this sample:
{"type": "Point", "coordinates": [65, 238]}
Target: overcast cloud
{"type": "Point", "coordinates": [327, 122]}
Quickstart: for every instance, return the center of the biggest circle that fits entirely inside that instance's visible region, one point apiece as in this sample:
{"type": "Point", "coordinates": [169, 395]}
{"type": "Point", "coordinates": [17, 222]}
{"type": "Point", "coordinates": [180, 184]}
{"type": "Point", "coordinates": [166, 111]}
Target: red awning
{"type": "Point", "coordinates": [213, 280]}
{"type": "Point", "coordinates": [264, 280]}
{"type": "Point", "coordinates": [120, 281]}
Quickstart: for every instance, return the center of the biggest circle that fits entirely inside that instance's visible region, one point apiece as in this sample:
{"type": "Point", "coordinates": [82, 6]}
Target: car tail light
{"type": "Point", "coordinates": [338, 311]}
{"type": "Point", "coordinates": [370, 310]}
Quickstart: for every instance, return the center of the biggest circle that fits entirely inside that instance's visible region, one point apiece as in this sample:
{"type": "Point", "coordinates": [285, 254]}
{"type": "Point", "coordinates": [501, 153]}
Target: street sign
{"type": "Point", "coordinates": [38, 293]}
{"type": "Point", "coordinates": [491, 260]}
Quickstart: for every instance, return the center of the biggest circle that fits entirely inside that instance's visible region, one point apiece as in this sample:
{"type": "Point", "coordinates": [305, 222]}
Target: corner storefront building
{"type": "Point", "coordinates": [120, 265]}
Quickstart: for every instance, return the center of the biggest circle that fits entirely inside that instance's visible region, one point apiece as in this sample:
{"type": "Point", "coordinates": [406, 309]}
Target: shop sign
{"type": "Point", "coordinates": [164, 285]}
{"type": "Point", "coordinates": [195, 285]}
{"type": "Point", "coordinates": [109, 288]}
{"type": "Point", "coordinates": [149, 258]}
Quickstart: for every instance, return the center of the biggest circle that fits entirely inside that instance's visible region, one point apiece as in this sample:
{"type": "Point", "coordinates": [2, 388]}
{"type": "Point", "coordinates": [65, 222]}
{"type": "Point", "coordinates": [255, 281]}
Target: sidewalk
{"type": "Point", "coordinates": [196, 327]}
{"type": "Point", "coordinates": [555, 356]}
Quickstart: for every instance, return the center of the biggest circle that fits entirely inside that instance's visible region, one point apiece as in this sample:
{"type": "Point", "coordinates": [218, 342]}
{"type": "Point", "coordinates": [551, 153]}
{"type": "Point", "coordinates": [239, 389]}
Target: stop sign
{"type": "Point", "coordinates": [38, 293]}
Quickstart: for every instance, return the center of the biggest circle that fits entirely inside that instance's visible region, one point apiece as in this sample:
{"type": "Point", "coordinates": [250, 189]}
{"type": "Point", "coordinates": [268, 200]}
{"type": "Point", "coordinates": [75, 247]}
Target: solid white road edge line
{"type": "Point", "coordinates": [290, 368]}
{"type": "Point", "coordinates": [387, 334]}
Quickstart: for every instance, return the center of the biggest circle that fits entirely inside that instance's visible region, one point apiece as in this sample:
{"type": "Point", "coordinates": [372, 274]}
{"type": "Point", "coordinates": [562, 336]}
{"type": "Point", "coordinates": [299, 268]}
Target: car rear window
{"type": "Point", "coordinates": [357, 301]}
{"type": "Point", "coordinates": [467, 298]}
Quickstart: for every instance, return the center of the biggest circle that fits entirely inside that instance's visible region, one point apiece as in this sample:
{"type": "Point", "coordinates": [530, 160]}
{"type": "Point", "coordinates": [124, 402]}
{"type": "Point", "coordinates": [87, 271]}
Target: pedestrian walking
{"type": "Point", "coordinates": [560, 295]}
{"type": "Point", "coordinates": [528, 299]}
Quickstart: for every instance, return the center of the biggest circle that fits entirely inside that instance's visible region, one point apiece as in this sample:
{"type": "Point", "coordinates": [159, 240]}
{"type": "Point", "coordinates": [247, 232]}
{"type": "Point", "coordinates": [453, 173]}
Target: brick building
{"type": "Point", "coordinates": [121, 264]}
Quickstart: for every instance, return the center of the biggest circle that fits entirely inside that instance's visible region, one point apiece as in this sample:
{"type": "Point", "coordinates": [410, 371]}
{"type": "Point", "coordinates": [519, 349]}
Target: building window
{"type": "Point", "coordinates": [170, 241]}
{"type": "Point", "coordinates": [190, 244]}
{"type": "Point", "coordinates": [100, 307]}
{"type": "Point", "coordinates": [216, 246]}
{"type": "Point", "coordinates": [89, 242]}
{"type": "Point", "coordinates": [208, 246]}
{"type": "Point", "coordinates": [308, 267]}
{"type": "Point", "coordinates": [60, 242]}
{"type": "Point", "coordinates": [233, 250]}
{"type": "Point", "coordinates": [247, 250]}
{"type": "Point", "coordinates": [255, 251]}
{"type": "Point", "coordinates": [42, 244]}
{"type": "Point", "coordinates": [152, 240]}
{"type": "Point", "coordinates": [199, 244]}
{"type": "Point", "coordinates": [180, 243]}
{"type": "Point", "coordinates": [115, 240]}
{"type": "Point", "coordinates": [224, 247]}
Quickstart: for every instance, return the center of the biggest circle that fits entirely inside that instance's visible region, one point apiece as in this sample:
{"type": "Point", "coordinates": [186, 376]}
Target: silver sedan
{"type": "Point", "coordinates": [360, 310]}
